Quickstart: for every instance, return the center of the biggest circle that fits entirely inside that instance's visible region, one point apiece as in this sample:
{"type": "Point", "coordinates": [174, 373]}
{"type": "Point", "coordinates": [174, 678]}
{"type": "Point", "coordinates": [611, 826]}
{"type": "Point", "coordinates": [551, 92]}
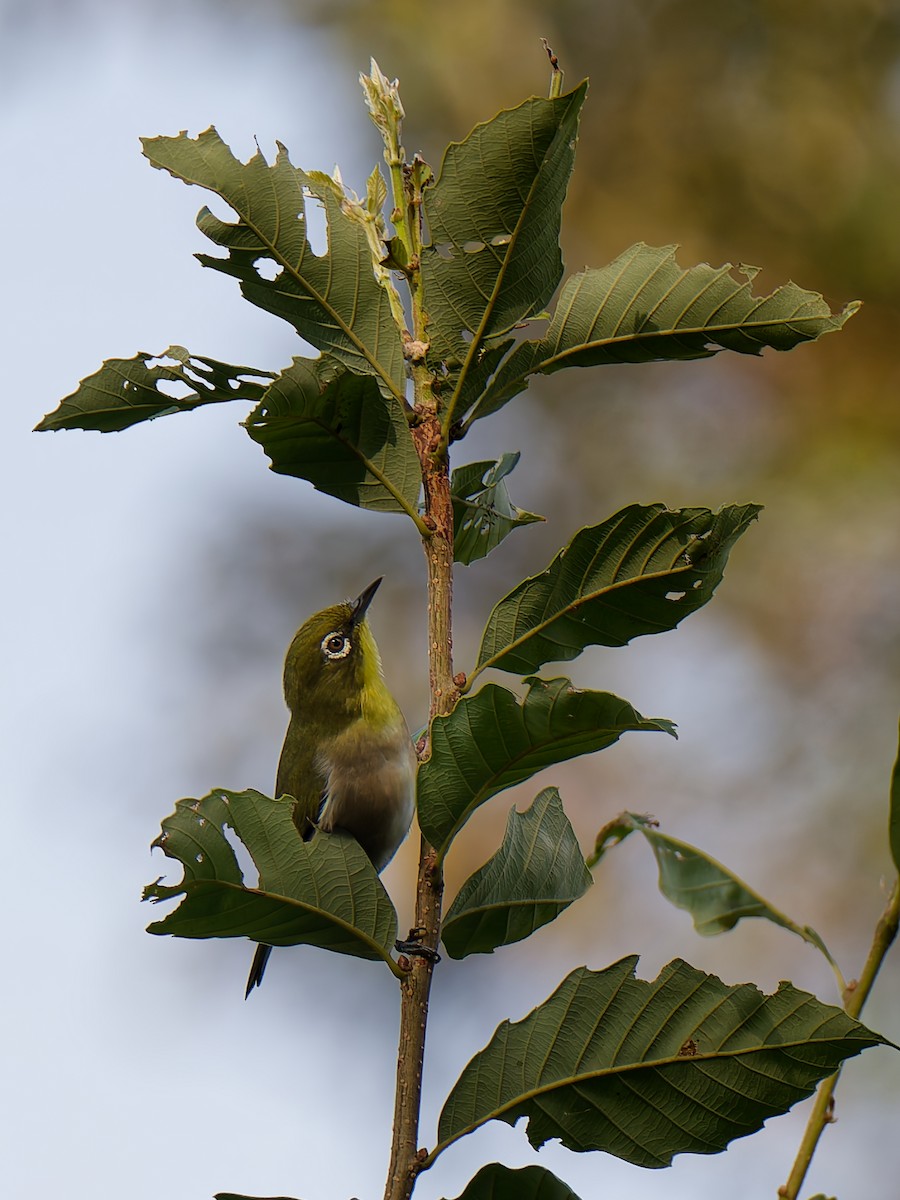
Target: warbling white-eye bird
{"type": "Point", "coordinates": [347, 759]}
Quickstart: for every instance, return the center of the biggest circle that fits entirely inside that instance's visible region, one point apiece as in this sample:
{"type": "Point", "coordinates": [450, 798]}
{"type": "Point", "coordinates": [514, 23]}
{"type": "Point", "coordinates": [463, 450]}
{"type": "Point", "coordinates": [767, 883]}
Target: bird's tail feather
{"type": "Point", "coordinates": [260, 958]}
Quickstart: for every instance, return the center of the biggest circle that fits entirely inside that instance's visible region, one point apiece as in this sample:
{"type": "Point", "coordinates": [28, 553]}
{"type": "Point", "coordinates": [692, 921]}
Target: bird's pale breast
{"type": "Point", "coordinates": [370, 792]}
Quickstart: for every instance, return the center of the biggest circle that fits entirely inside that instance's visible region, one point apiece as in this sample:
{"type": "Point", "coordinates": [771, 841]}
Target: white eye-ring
{"type": "Point", "coordinates": [336, 645]}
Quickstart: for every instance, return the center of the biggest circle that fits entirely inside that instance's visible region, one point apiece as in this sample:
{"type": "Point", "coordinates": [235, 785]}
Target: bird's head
{"type": "Point", "coordinates": [333, 659]}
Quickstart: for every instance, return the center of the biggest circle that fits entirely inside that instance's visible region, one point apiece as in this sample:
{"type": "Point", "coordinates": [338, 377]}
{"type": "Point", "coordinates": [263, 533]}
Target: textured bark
{"type": "Point", "coordinates": [415, 988]}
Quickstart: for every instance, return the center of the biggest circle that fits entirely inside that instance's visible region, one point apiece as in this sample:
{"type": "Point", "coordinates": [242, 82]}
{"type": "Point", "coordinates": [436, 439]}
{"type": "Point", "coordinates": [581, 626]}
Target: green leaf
{"type": "Point", "coordinates": [483, 514]}
{"type": "Point", "coordinates": [321, 893]}
{"type": "Point", "coordinates": [321, 423]}
{"type": "Point", "coordinates": [536, 874]}
{"type": "Point", "coordinates": [496, 1182]}
{"type": "Point", "coordinates": [494, 217]}
{"type": "Point", "coordinates": [492, 741]}
{"type": "Point", "coordinates": [642, 571]}
{"type": "Point", "coordinates": [334, 300]}
{"type": "Point", "coordinates": [126, 391]}
{"type": "Point", "coordinates": [894, 819]}
{"type": "Point", "coordinates": [643, 307]}
{"type": "Point", "coordinates": [715, 897]}
{"type": "Point", "coordinates": [647, 1070]}
{"type": "Point", "coordinates": [473, 382]}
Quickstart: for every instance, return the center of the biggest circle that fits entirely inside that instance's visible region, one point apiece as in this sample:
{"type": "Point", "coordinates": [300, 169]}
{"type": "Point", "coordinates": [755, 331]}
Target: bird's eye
{"type": "Point", "coordinates": [336, 645]}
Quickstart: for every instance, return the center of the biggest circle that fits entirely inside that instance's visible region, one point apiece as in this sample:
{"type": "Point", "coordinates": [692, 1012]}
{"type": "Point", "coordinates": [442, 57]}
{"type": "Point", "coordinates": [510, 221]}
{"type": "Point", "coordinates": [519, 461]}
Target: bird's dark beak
{"type": "Point", "coordinates": [362, 602]}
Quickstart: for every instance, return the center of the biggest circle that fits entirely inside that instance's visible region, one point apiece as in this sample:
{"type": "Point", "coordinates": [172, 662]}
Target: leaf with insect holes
{"type": "Point", "coordinates": [642, 571]}
{"type": "Point", "coordinates": [332, 300]}
{"type": "Point", "coordinates": [320, 422]}
{"type": "Point", "coordinates": [691, 880]}
{"type": "Point", "coordinates": [126, 391]}
{"type": "Point", "coordinates": [494, 216]}
{"type": "Point", "coordinates": [492, 741]}
{"type": "Point", "coordinates": [646, 1070]}
{"type": "Point", "coordinates": [534, 876]}
{"type": "Point", "coordinates": [643, 307]}
{"type": "Point", "coordinates": [483, 514]}
{"type": "Point", "coordinates": [324, 892]}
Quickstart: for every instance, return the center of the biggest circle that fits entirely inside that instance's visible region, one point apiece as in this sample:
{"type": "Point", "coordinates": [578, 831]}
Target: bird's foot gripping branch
{"type": "Point", "coordinates": [428, 310]}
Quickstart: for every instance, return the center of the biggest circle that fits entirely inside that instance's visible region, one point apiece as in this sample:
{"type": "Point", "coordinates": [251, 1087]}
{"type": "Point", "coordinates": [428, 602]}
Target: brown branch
{"type": "Point", "coordinates": [406, 1159]}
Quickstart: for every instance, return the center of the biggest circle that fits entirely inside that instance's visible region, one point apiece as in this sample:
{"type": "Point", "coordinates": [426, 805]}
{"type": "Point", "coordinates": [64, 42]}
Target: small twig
{"type": "Point", "coordinates": [855, 996]}
{"type": "Point", "coordinates": [557, 76]}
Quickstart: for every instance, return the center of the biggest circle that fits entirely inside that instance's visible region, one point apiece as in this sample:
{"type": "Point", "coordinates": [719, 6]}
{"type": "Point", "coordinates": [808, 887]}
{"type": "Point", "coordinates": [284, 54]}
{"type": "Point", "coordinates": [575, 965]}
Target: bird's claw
{"type": "Point", "coordinates": [414, 946]}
